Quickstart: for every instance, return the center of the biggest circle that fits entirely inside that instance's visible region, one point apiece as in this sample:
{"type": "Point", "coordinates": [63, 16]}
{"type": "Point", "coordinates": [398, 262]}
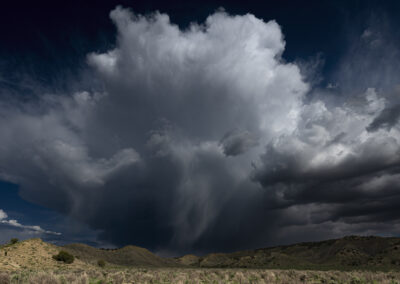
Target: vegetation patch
{"type": "Point", "coordinates": [101, 263]}
{"type": "Point", "coordinates": [64, 257]}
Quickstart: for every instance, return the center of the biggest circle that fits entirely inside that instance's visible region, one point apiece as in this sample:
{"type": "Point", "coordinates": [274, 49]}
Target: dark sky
{"type": "Point", "coordinates": [205, 126]}
{"type": "Point", "coordinates": [60, 34]}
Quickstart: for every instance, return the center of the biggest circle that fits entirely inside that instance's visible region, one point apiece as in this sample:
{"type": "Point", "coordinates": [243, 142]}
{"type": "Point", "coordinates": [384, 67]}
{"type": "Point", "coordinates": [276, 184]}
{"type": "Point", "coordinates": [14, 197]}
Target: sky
{"type": "Point", "coordinates": [199, 126]}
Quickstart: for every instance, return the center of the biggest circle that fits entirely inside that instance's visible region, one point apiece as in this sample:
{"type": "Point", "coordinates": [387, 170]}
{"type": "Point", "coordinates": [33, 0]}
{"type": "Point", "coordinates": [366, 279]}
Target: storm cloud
{"type": "Point", "coordinates": [237, 142]}
{"type": "Point", "coordinates": [204, 139]}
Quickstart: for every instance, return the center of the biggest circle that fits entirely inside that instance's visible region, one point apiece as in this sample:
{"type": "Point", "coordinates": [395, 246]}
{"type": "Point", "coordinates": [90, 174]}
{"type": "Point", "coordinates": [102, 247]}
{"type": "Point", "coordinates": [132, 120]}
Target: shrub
{"type": "Point", "coordinates": [64, 256]}
{"type": "Point", "coordinates": [101, 263]}
{"type": "Point", "coordinates": [14, 241]}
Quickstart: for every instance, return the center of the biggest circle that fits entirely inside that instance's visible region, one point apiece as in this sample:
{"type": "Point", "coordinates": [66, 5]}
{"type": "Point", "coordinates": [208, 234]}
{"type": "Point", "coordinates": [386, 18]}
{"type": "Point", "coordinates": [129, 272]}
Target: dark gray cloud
{"type": "Point", "coordinates": [237, 142]}
{"type": "Point", "coordinates": [204, 139]}
{"type": "Point", "coordinates": [388, 118]}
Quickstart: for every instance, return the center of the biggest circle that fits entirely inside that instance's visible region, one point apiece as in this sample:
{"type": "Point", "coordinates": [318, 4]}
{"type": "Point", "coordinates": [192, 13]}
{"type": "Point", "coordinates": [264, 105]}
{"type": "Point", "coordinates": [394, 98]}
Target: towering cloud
{"type": "Point", "coordinates": [203, 139]}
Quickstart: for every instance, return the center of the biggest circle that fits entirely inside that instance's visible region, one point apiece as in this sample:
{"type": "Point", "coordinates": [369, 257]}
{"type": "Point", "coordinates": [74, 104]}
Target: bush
{"type": "Point", "coordinates": [64, 256]}
{"type": "Point", "coordinates": [101, 263]}
{"type": "Point", "coordinates": [14, 241]}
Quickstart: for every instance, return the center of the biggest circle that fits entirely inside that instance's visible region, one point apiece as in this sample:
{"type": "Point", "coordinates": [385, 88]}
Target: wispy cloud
{"type": "Point", "coordinates": [14, 223]}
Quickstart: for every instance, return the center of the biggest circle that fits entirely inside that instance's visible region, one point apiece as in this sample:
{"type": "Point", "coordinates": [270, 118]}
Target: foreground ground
{"type": "Point", "coordinates": [348, 260]}
{"type": "Point", "coordinates": [190, 275]}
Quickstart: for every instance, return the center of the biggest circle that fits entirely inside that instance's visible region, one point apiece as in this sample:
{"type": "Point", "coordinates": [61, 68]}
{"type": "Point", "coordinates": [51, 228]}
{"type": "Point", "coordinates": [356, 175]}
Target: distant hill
{"type": "Point", "coordinates": [348, 253]}
{"type": "Point", "coordinates": [128, 256]}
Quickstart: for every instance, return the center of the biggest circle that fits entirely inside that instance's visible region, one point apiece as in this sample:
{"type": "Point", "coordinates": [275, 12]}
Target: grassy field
{"type": "Point", "coordinates": [348, 260]}
{"type": "Point", "coordinates": [190, 275]}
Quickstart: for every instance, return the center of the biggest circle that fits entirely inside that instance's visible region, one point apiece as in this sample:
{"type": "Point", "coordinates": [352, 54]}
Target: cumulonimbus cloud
{"type": "Point", "coordinates": [200, 139]}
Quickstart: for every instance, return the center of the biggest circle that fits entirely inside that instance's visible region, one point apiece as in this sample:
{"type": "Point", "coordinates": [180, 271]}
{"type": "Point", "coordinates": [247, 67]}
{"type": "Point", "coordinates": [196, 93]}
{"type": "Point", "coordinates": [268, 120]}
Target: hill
{"type": "Point", "coordinates": [36, 254]}
{"type": "Point", "coordinates": [367, 259]}
{"type": "Point", "coordinates": [127, 256]}
{"type": "Point", "coordinates": [348, 253]}
{"type": "Point", "coordinates": [33, 254]}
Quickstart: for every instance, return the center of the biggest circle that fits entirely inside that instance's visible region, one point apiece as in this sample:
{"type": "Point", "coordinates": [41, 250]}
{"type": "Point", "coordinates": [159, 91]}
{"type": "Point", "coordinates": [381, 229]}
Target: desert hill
{"type": "Point", "coordinates": [348, 253]}
{"type": "Point", "coordinates": [37, 254]}
{"type": "Point", "coordinates": [32, 254]}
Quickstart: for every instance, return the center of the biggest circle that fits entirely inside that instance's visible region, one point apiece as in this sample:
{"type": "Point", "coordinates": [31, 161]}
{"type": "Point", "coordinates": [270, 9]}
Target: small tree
{"type": "Point", "coordinates": [64, 256]}
{"type": "Point", "coordinates": [101, 263]}
{"type": "Point", "coordinates": [14, 241]}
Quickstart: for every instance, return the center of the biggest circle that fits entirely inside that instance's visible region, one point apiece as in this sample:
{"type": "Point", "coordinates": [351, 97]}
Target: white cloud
{"type": "Point", "coordinates": [333, 141]}
{"type": "Point", "coordinates": [3, 215]}
{"type": "Point", "coordinates": [27, 228]}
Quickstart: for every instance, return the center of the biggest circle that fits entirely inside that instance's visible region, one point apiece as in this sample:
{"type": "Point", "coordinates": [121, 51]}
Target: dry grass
{"type": "Point", "coordinates": [192, 275]}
